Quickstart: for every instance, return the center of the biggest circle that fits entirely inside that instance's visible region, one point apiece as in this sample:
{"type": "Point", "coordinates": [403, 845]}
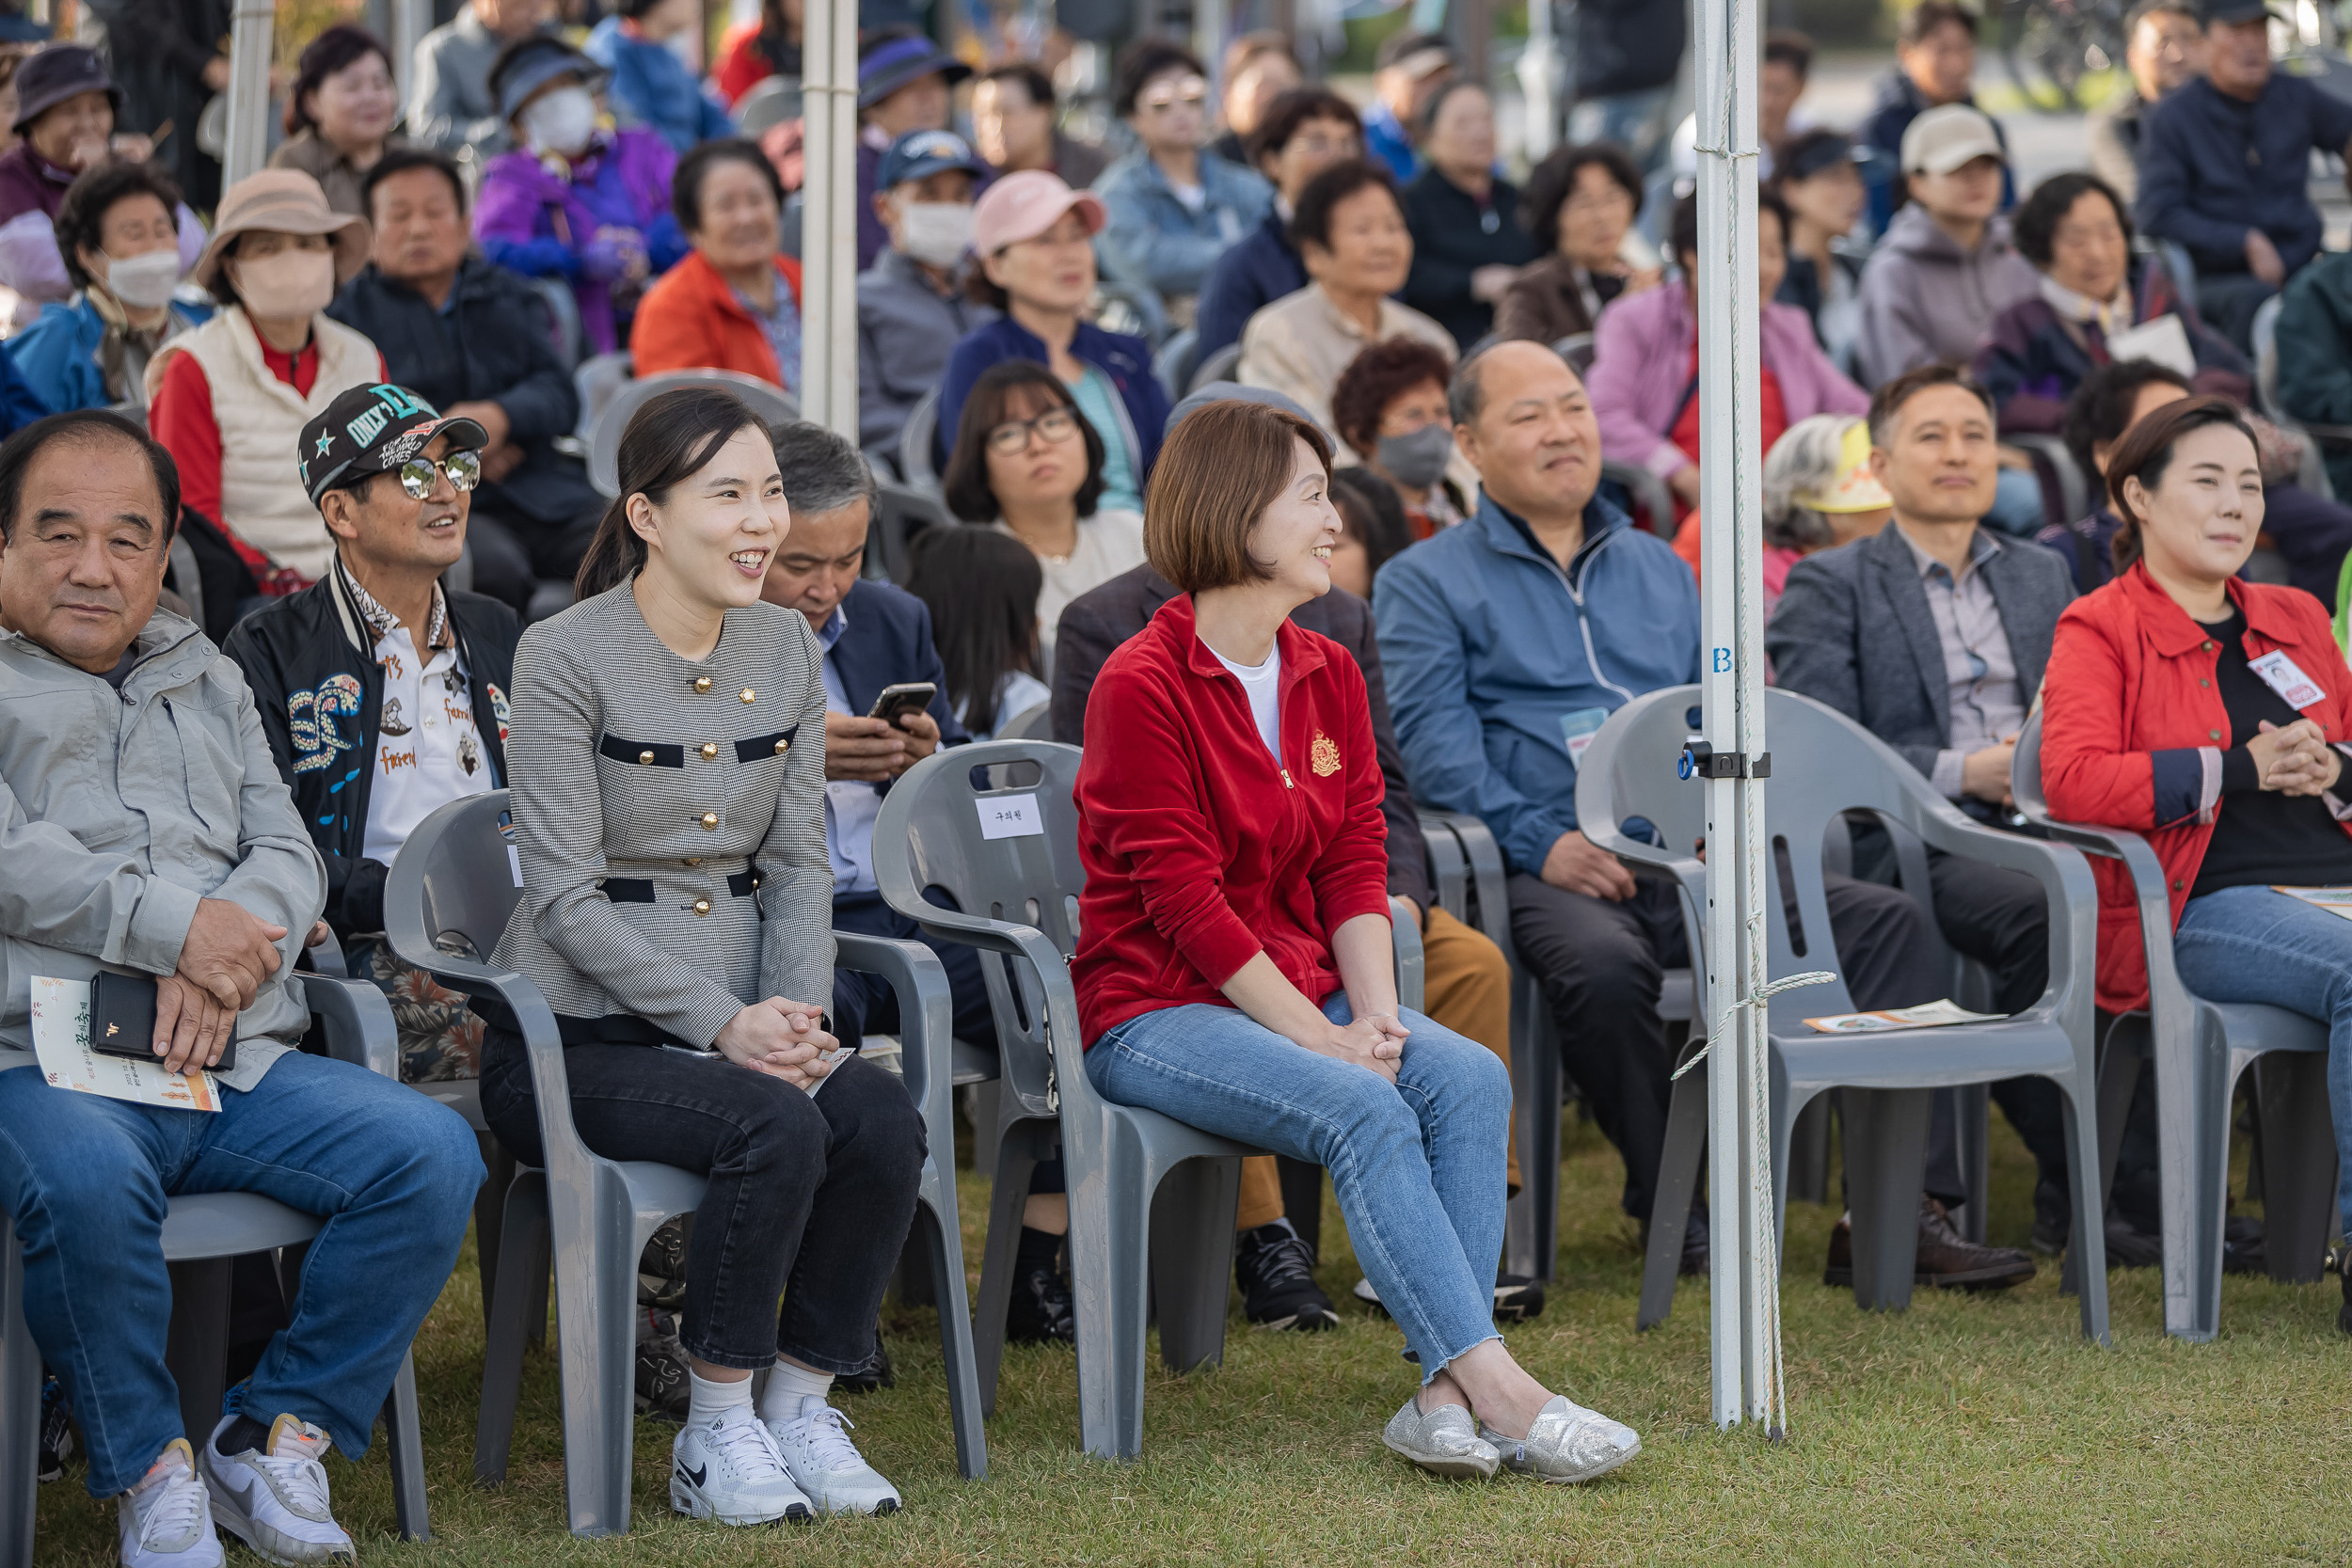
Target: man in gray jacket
{"type": "Point", "coordinates": [1932, 634]}
{"type": "Point", "coordinates": [146, 834]}
{"type": "Point", "coordinates": [910, 306]}
{"type": "Point", "coordinates": [450, 104]}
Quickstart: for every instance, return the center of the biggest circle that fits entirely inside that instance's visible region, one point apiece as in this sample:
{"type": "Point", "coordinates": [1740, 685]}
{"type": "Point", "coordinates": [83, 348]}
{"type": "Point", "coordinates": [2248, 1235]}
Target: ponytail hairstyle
{"type": "Point", "coordinates": [668, 441]}
{"type": "Point", "coordinates": [2146, 450]}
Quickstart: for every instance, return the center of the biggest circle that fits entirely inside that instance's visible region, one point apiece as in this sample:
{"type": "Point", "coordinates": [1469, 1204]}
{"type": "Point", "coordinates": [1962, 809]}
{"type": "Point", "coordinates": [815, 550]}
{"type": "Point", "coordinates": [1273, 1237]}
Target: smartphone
{"type": "Point", "coordinates": [906, 697]}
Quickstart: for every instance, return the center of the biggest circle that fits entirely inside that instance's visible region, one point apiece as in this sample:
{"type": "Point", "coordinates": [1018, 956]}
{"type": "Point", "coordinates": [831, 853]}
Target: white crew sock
{"type": "Point", "coordinates": [707, 1398]}
{"type": "Point", "coordinates": [789, 1390]}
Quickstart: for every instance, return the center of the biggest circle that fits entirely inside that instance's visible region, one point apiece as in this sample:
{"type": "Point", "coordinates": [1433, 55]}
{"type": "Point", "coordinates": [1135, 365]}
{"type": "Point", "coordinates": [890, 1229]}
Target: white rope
{"type": "Point", "coordinates": [1756, 999]}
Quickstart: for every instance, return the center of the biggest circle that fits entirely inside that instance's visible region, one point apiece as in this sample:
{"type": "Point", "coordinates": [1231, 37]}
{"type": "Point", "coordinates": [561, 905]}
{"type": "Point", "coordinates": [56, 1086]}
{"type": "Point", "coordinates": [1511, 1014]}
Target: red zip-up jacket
{"type": "Point", "coordinates": [1200, 851]}
{"type": "Point", "coordinates": [2133, 733]}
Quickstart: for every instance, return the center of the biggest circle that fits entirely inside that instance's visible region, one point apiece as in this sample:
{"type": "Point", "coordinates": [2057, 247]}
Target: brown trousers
{"type": "Point", "coordinates": [1466, 987]}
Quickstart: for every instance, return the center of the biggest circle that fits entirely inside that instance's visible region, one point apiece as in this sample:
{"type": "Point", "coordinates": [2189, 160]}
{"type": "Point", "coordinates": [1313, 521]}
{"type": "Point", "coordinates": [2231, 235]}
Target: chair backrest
{"type": "Point", "coordinates": [768, 103]}
{"type": "Point", "coordinates": [598, 380]}
{"type": "Point", "coordinates": [2024, 772]}
{"type": "Point", "coordinates": [2264, 335]}
{"type": "Point", "coordinates": [455, 883]}
{"type": "Point", "coordinates": [1653, 501]}
{"type": "Point", "coordinates": [1034, 723]}
{"type": "Point", "coordinates": [1577, 349]}
{"type": "Point", "coordinates": [1824, 766]}
{"type": "Point", "coordinates": [562, 324]}
{"type": "Point", "coordinates": [901, 512]}
{"type": "Point", "coordinates": [1173, 363]}
{"type": "Point", "coordinates": [1128, 307]}
{"type": "Point", "coordinates": [1006, 853]}
{"type": "Point", "coordinates": [914, 443]}
{"type": "Point", "coordinates": [1216, 367]}
{"type": "Point", "coordinates": [770, 402]}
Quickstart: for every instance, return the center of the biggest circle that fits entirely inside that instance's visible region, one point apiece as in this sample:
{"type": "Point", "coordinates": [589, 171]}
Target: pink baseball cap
{"type": "Point", "coordinates": [1025, 205]}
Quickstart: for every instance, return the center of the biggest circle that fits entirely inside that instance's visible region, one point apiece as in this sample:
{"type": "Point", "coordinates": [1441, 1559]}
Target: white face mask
{"type": "Point", "coordinates": [935, 232]}
{"type": "Point", "coordinates": [291, 285]}
{"type": "Point", "coordinates": [563, 122]}
{"type": "Point", "coordinates": [143, 282]}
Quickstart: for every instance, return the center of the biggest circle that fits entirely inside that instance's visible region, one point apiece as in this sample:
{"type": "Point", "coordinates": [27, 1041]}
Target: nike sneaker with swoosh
{"type": "Point", "coordinates": [728, 1468]}
{"type": "Point", "coordinates": [274, 1498]}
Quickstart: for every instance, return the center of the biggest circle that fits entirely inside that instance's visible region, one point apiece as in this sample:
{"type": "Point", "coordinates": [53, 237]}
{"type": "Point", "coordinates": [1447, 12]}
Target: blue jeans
{"type": "Point", "coordinates": [2251, 944]}
{"type": "Point", "coordinates": [1417, 1165]}
{"type": "Point", "coordinates": [86, 1181]}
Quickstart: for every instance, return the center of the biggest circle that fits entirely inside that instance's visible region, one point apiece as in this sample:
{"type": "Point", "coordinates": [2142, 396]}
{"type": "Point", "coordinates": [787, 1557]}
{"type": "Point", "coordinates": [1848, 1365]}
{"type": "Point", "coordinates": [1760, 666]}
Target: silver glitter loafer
{"type": "Point", "coordinates": [1444, 1441]}
{"type": "Point", "coordinates": [1567, 1443]}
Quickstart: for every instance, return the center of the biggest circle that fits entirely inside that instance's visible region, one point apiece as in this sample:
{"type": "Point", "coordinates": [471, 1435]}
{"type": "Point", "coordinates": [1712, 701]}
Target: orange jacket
{"type": "Point", "coordinates": [692, 321]}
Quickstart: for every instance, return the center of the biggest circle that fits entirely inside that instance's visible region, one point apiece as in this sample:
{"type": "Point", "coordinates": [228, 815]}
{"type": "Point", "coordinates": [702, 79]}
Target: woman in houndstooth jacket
{"type": "Point", "coordinates": [667, 763]}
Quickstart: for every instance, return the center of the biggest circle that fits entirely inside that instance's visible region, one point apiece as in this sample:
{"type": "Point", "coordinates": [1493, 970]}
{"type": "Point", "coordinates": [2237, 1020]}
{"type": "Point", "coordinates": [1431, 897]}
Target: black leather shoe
{"type": "Point", "coordinates": [1041, 1312]}
{"type": "Point", "coordinates": [1695, 1245]}
{"type": "Point", "coordinates": [877, 1373]}
{"type": "Point", "coordinates": [1943, 1259]}
{"type": "Point", "coordinates": [2130, 1247]}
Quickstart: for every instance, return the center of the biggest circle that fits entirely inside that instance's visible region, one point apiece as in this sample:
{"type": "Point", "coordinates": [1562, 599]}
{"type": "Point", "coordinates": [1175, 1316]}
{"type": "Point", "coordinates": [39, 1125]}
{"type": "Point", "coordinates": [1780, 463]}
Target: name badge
{"type": "Point", "coordinates": [1010, 817]}
{"type": "Point", "coordinates": [2281, 675]}
{"type": "Point", "coordinates": [1577, 731]}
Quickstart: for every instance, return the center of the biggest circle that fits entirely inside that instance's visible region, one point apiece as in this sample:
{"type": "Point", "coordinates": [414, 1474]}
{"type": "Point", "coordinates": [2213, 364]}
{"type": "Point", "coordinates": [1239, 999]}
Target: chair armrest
{"type": "Point", "coordinates": [359, 1025]}
{"type": "Point", "coordinates": [1405, 933]}
{"type": "Point", "coordinates": [2066, 884]}
{"type": "Point", "coordinates": [1486, 872]}
{"type": "Point", "coordinates": [568, 1159]}
{"type": "Point", "coordinates": [1056, 999]}
{"type": "Point", "coordinates": [927, 1015]}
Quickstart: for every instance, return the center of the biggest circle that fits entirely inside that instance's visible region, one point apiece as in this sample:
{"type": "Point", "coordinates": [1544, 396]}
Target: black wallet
{"type": "Point", "coordinates": [122, 1020]}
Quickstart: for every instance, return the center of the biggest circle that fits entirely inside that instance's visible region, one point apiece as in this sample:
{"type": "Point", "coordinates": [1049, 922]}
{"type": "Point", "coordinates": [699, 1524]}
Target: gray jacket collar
{"type": "Point", "coordinates": [165, 657]}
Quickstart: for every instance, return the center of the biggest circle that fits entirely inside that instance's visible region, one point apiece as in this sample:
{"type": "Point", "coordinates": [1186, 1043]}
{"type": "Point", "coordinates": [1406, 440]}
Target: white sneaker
{"type": "Point", "coordinates": [275, 1501]}
{"type": "Point", "coordinates": [818, 1450]}
{"type": "Point", "coordinates": [727, 1469]}
{"type": "Point", "coordinates": [165, 1521]}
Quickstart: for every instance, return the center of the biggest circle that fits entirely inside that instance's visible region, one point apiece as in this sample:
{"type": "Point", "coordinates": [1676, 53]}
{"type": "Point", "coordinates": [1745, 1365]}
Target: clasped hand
{"type": "Point", "coordinates": [2294, 759]}
{"type": "Point", "coordinates": [780, 1038]}
{"type": "Point", "coordinates": [1374, 1042]}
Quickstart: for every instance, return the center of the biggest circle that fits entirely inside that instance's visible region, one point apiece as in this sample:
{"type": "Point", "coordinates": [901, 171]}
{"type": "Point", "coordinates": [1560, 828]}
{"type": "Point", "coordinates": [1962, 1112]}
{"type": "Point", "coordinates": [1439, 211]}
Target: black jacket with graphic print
{"type": "Point", "coordinates": [310, 659]}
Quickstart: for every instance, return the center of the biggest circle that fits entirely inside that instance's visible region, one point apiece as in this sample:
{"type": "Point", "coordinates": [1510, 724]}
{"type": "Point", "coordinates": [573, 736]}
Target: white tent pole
{"type": "Point", "coordinates": [411, 21]}
{"type": "Point", "coordinates": [1537, 71]}
{"type": "Point", "coordinates": [1745, 1315]}
{"type": "Point", "coordinates": [839, 322]}
{"type": "Point", "coordinates": [250, 30]}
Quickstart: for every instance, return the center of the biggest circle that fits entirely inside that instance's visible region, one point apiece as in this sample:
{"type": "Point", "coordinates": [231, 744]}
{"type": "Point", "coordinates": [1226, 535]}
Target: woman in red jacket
{"type": "Point", "coordinates": [2212, 715]}
{"type": "Point", "coordinates": [734, 303]}
{"type": "Point", "coordinates": [1234, 969]}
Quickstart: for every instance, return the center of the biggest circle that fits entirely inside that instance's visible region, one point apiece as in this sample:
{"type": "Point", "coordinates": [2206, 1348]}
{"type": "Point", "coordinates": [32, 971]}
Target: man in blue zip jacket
{"type": "Point", "coordinates": [1508, 640]}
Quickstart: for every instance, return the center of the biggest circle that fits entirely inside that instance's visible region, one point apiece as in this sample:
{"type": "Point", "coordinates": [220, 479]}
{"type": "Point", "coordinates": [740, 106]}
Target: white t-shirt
{"type": "Point", "coordinates": [428, 751]}
{"type": "Point", "coordinates": [1264, 684]}
{"type": "Point", "coordinates": [1109, 542]}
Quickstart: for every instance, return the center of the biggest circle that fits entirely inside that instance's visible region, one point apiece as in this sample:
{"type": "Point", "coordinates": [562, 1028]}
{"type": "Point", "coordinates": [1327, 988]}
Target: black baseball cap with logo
{"type": "Point", "coordinates": [374, 430]}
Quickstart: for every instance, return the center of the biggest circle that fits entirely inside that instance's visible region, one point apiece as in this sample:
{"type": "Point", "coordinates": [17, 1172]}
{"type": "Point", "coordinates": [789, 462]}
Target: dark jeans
{"type": "Point", "coordinates": [1998, 917]}
{"type": "Point", "coordinates": [512, 552]}
{"type": "Point", "coordinates": [1602, 966]}
{"type": "Point", "coordinates": [810, 1198]}
{"type": "Point", "coordinates": [2227, 301]}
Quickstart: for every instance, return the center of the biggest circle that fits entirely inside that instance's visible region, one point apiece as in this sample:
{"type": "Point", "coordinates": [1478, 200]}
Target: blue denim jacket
{"type": "Point", "coordinates": [652, 87]}
{"type": "Point", "coordinates": [1156, 241]}
{"type": "Point", "coordinates": [1490, 650]}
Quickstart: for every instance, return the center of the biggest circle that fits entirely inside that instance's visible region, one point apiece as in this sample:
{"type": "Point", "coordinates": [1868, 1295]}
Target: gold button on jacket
{"type": "Point", "coordinates": [702, 682]}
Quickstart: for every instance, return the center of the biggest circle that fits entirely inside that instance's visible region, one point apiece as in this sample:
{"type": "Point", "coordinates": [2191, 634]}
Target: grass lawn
{"type": "Point", "coordinates": [1976, 1427]}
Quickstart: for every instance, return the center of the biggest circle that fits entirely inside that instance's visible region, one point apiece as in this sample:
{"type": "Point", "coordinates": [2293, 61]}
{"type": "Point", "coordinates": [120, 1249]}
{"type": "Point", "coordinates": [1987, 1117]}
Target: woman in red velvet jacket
{"type": "Point", "coordinates": [2212, 715]}
{"type": "Point", "coordinates": [1234, 969]}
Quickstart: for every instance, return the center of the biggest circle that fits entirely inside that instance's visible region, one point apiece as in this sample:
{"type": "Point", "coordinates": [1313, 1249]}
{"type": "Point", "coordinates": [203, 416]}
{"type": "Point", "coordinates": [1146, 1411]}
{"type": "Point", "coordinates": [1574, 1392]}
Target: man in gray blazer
{"type": "Point", "coordinates": [1932, 634]}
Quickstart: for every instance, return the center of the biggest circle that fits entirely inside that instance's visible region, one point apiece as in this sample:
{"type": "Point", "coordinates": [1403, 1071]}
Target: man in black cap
{"type": "Point", "coordinates": [2222, 167]}
{"type": "Point", "coordinates": [383, 694]}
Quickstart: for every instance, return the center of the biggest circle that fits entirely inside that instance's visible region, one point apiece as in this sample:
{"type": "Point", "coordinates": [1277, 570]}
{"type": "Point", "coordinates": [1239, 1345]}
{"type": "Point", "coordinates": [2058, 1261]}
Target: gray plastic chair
{"type": "Point", "coordinates": [453, 883]}
{"type": "Point", "coordinates": [1652, 495]}
{"type": "Point", "coordinates": [1825, 765]}
{"type": "Point", "coordinates": [1216, 367]}
{"type": "Point", "coordinates": [770, 401]}
{"type": "Point", "coordinates": [2199, 1049]}
{"type": "Point", "coordinates": [771, 102]}
{"type": "Point", "coordinates": [900, 511]}
{"type": "Point", "coordinates": [1034, 723]}
{"type": "Point", "coordinates": [203, 1234]}
{"type": "Point", "coordinates": [1151, 1201]}
{"type": "Point", "coordinates": [1577, 349]}
{"type": "Point", "coordinates": [598, 380]}
{"type": "Point", "coordinates": [1173, 363]}
{"type": "Point", "coordinates": [915, 439]}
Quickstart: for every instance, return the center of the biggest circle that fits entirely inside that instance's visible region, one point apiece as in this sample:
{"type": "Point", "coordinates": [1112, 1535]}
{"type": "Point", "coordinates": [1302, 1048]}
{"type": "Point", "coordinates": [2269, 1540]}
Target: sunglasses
{"type": "Point", "coordinates": [1191, 92]}
{"type": "Point", "coordinates": [1056, 425]}
{"type": "Point", "coordinates": [464, 469]}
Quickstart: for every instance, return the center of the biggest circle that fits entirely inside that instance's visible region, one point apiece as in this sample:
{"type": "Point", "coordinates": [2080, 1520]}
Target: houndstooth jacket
{"type": "Point", "coordinates": [670, 820]}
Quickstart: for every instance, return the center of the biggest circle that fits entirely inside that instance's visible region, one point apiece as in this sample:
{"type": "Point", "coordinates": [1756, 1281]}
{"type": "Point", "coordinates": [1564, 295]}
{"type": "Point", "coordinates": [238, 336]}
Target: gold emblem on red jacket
{"type": "Point", "coordinates": [1325, 755]}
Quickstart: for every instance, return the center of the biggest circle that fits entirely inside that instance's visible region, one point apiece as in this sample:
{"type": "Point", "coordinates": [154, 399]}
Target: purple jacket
{"type": "Point", "coordinates": [2031, 359]}
{"type": "Point", "coordinates": [541, 225]}
{"type": "Point", "coordinates": [1642, 367]}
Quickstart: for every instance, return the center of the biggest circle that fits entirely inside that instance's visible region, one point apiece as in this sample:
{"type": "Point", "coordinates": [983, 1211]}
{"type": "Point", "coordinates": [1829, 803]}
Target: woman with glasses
{"type": "Point", "coordinates": [1580, 204]}
{"type": "Point", "coordinates": [1174, 207]}
{"type": "Point", "coordinates": [1031, 236]}
{"type": "Point", "coordinates": [1028, 462]}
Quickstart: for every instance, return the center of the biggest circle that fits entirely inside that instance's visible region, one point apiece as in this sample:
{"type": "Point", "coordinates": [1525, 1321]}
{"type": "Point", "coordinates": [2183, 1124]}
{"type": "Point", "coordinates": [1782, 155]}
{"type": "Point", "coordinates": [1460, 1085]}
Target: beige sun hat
{"type": "Point", "coordinates": [283, 202]}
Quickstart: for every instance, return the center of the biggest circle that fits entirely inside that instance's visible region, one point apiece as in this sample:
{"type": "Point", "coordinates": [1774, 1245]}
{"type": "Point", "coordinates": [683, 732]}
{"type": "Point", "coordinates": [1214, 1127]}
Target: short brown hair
{"type": "Point", "coordinates": [1888, 400]}
{"type": "Point", "coordinates": [1220, 471]}
{"type": "Point", "coordinates": [2146, 450]}
{"type": "Point", "coordinates": [1377, 377]}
